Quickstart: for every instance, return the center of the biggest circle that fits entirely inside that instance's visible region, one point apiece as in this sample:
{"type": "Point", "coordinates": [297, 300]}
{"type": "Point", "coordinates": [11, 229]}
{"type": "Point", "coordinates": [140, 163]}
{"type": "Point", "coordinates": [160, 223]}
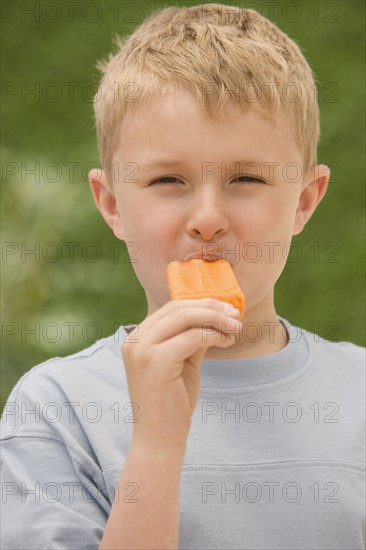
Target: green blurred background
{"type": "Point", "coordinates": [70, 300]}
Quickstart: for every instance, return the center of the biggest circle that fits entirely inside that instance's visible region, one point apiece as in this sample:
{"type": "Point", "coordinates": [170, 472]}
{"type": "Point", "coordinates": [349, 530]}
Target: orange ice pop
{"type": "Point", "coordinates": [203, 279]}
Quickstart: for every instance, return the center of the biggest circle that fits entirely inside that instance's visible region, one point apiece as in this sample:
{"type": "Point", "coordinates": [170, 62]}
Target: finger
{"type": "Point", "coordinates": [174, 305]}
{"type": "Point", "coordinates": [207, 320]}
{"type": "Point", "coordinates": [188, 345]}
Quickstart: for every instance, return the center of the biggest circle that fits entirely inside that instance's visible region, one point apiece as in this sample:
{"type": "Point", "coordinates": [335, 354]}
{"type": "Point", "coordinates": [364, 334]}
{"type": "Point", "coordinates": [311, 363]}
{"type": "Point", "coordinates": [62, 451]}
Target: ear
{"type": "Point", "coordinates": [313, 190]}
{"type": "Point", "coordinates": [105, 200]}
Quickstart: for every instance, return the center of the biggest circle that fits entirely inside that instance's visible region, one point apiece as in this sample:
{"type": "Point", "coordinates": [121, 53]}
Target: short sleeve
{"type": "Point", "coordinates": [53, 491]}
{"type": "Point", "coordinates": [45, 505]}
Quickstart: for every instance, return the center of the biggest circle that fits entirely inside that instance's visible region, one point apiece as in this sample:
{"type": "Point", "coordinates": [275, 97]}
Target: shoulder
{"type": "Point", "coordinates": [340, 350]}
{"type": "Point", "coordinates": [342, 358]}
{"type": "Point", "coordinates": [96, 360]}
{"type": "Point", "coordinates": [331, 348]}
{"type": "Point", "coordinates": [50, 390]}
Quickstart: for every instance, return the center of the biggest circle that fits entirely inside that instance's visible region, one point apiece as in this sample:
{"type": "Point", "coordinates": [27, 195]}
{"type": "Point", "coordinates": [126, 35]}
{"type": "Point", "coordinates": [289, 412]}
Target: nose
{"type": "Point", "coordinates": [207, 216]}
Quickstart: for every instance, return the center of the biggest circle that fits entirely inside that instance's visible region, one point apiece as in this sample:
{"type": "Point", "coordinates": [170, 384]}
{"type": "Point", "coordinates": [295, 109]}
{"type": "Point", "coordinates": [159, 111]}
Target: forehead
{"type": "Point", "coordinates": [174, 126]}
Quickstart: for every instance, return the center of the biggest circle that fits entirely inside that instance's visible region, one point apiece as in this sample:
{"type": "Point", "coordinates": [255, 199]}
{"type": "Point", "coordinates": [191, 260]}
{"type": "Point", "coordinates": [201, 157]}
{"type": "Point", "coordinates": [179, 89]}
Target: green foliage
{"type": "Point", "coordinates": [61, 291]}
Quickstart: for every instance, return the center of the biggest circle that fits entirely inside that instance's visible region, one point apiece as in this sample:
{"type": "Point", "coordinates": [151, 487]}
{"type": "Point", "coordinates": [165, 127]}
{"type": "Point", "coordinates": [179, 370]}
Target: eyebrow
{"type": "Point", "coordinates": [162, 163]}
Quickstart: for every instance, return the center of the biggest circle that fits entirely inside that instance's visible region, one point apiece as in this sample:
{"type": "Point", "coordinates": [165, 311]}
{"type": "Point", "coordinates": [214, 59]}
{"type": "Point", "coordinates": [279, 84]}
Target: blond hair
{"type": "Point", "coordinates": [219, 53]}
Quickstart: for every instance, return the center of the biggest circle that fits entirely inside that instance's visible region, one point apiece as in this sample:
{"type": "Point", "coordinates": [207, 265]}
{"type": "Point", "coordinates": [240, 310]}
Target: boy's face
{"type": "Point", "coordinates": [205, 204]}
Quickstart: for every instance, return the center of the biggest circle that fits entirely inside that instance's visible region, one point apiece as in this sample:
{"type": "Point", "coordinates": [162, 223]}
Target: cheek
{"type": "Point", "coordinates": [277, 217]}
{"type": "Point", "coordinates": [163, 222]}
{"type": "Point", "coordinates": [146, 216]}
{"type": "Point", "coordinates": [265, 232]}
{"type": "Point", "coordinates": [156, 229]}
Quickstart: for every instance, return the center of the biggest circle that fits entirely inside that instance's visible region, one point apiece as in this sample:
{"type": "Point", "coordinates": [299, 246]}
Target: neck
{"type": "Point", "coordinates": [257, 337]}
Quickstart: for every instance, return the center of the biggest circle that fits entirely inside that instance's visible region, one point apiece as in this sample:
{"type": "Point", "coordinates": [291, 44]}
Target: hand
{"type": "Point", "coordinates": [162, 358]}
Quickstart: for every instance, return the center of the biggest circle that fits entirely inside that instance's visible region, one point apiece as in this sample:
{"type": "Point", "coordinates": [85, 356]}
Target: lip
{"type": "Point", "coordinates": [207, 257]}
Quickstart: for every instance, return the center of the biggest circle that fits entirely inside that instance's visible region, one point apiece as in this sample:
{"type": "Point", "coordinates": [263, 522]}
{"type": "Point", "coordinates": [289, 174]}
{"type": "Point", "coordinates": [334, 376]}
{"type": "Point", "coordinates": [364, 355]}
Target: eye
{"type": "Point", "coordinates": [162, 179]}
{"type": "Point", "coordinates": [250, 179]}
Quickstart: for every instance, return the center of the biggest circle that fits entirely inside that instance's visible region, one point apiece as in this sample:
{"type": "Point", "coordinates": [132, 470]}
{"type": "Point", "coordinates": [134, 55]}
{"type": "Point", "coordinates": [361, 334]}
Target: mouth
{"type": "Point", "coordinates": [206, 257]}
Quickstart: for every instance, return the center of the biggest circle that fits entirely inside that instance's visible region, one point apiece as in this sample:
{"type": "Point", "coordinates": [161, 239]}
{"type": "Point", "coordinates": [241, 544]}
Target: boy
{"type": "Point", "coordinates": [193, 429]}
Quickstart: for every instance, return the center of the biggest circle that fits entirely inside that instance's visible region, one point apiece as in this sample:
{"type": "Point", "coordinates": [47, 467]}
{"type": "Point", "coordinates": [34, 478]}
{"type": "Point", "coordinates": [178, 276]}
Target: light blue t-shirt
{"type": "Point", "coordinates": [275, 457]}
